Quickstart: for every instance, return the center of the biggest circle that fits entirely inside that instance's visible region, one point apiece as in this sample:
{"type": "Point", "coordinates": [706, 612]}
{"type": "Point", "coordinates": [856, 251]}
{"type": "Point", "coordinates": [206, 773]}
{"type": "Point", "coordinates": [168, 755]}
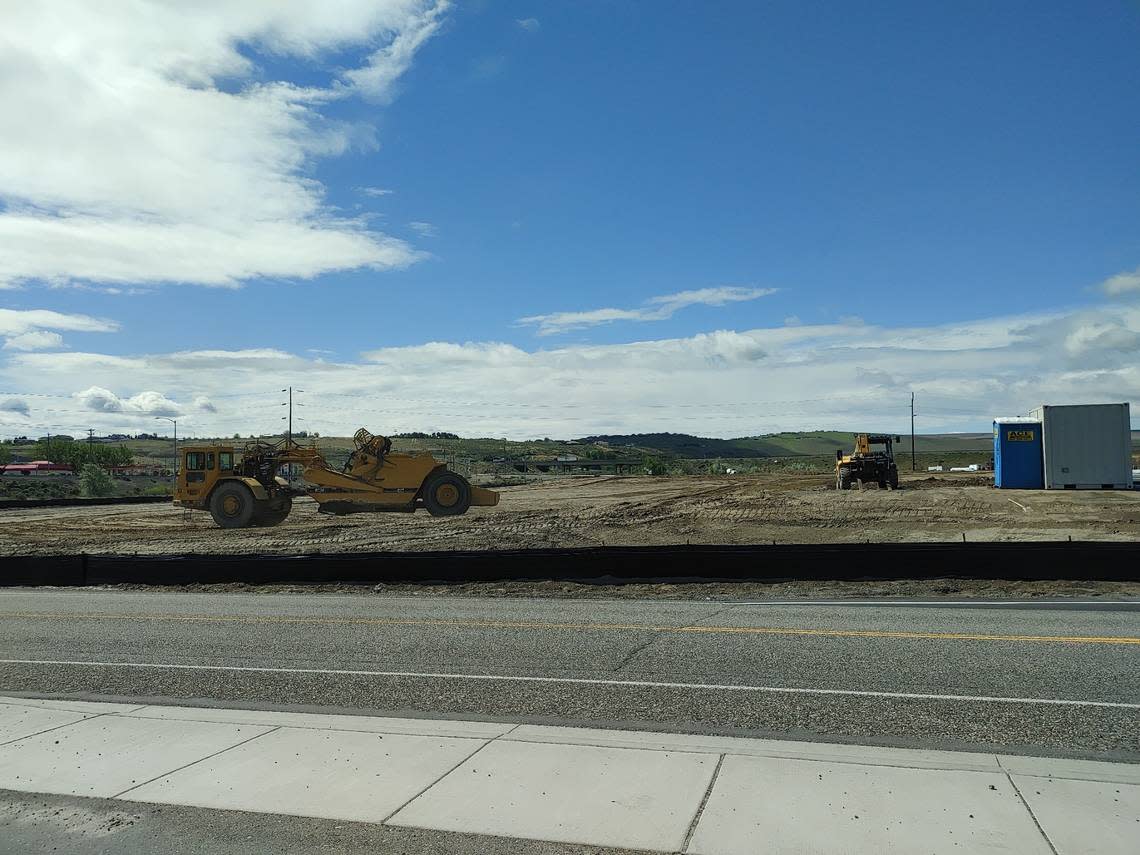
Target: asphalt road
{"type": "Point", "coordinates": [1044, 678]}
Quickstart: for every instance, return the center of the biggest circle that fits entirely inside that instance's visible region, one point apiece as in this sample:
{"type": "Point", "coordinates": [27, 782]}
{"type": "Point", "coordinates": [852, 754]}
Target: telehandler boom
{"type": "Point", "coordinates": [246, 489]}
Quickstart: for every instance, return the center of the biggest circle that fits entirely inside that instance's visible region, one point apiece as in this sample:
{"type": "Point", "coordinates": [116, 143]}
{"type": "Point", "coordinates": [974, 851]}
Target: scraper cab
{"type": "Point", "coordinates": [249, 489]}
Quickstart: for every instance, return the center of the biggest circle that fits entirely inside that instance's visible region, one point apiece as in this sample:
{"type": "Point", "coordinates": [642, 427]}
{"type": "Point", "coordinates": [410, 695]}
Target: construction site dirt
{"type": "Point", "coordinates": [631, 511]}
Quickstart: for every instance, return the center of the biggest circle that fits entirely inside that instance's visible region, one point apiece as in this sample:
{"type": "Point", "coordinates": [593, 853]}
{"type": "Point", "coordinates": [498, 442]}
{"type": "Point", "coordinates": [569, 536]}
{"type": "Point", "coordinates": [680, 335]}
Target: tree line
{"type": "Point", "coordinates": [76, 454]}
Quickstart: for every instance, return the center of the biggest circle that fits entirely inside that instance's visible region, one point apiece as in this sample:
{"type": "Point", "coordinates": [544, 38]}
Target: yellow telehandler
{"type": "Point", "coordinates": [246, 489]}
{"type": "Point", "coordinates": [865, 465]}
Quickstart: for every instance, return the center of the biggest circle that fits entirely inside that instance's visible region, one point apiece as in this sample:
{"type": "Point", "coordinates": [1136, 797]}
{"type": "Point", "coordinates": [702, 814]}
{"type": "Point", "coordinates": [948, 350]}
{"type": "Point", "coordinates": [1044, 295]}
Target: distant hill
{"type": "Point", "coordinates": [787, 444]}
{"type": "Point", "coordinates": [677, 444]}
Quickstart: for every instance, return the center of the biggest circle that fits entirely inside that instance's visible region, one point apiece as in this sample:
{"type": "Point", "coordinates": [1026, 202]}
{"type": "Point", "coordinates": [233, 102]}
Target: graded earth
{"type": "Point", "coordinates": [578, 512]}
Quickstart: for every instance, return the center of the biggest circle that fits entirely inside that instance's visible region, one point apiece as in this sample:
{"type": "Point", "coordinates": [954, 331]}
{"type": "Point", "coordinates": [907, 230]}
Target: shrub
{"type": "Point", "coordinates": [94, 481]}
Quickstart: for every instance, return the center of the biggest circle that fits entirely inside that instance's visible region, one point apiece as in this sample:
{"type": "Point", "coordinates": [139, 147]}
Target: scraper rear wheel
{"type": "Point", "coordinates": [446, 494]}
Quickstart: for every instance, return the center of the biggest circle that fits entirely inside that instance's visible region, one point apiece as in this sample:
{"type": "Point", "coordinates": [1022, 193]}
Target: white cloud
{"type": "Point", "coordinates": [655, 309]}
{"type": "Point", "coordinates": [1107, 335]}
{"type": "Point", "coordinates": [17, 321]}
{"type": "Point", "coordinates": [408, 23]}
{"type": "Point", "coordinates": [375, 191]}
{"type": "Point", "coordinates": [531, 25]}
{"type": "Point", "coordinates": [15, 405]}
{"type": "Point", "coordinates": [28, 329]}
{"type": "Point", "coordinates": [721, 383]}
{"type": "Point", "coordinates": [161, 131]}
{"type": "Point", "coordinates": [1125, 282]}
{"type": "Point", "coordinates": [423, 229]}
{"type": "Point", "coordinates": [201, 402]}
{"type": "Point", "coordinates": [100, 400]}
{"type": "Point", "coordinates": [149, 403]}
{"type": "Point", "coordinates": [35, 340]}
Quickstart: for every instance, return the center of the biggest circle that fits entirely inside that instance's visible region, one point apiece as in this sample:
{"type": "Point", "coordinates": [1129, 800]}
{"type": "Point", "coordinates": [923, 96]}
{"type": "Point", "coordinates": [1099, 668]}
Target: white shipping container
{"type": "Point", "coordinates": [1086, 446]}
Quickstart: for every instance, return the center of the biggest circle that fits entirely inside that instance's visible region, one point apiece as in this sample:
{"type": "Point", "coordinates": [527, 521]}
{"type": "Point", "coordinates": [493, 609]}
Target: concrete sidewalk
{"type": "Point", "coordinates": [652, 791]}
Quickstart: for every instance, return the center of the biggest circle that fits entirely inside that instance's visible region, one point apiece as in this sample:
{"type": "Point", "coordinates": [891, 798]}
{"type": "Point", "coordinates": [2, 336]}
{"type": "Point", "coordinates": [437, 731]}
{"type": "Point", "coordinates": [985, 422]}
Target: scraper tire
{"type": "Point", "coordinates": [231, 505]}
{"type": "Point", "coordinates": [446, 494]}
{"type": "Point", "coordinates": [269, 514]}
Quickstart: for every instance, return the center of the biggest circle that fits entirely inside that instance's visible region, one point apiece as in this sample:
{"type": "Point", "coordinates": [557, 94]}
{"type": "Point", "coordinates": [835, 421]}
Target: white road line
{"type": "Point", "coordinates": [581, 681]}
{"type": "Point", "coordinates": [888, 602]}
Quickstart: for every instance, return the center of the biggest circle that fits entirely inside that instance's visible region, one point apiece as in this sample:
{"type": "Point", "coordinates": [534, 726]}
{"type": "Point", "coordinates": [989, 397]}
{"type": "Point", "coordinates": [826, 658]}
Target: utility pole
{"type": "Point", "coordinates": [913, 462]}
{"type": "Point", "coordinates": [90, 435]}
{"type": "Point", "coordinates": [289, 434]}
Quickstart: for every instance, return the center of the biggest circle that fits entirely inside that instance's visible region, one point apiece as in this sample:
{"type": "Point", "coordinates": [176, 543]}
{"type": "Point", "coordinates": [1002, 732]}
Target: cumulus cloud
{"type": "Point", "coordinates": [201, 402]}
{"type": "Point", "coordinates": [720, 383]}
{"type": "Point", "coordinates": [655, 309]}
{"type": "Point", "coordinates": [162, 131]}
{"type": "Point", "coordinates": [15, 405]}
{"type": "Point", "coordinates": [1126, 282]}
{"type": "Point", "coordinates": [149, 403]}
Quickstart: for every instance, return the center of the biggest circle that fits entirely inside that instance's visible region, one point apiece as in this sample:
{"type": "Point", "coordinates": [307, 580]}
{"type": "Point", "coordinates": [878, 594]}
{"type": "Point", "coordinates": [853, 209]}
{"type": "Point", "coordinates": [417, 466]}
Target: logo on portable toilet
{"type": "Point", "coordinates": [1020, 436]}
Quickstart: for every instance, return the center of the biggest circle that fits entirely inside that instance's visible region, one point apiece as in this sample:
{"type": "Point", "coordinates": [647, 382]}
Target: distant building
{"type": "Point", "coordinates": [36, 467]}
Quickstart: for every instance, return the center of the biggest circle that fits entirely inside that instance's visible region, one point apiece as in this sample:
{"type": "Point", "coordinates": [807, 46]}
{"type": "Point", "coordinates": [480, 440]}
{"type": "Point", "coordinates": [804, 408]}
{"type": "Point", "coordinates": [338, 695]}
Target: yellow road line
{"type": "Point", "coordinates": [598, 627]}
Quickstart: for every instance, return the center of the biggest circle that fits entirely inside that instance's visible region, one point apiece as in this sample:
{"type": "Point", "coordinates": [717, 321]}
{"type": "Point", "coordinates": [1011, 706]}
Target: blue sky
{"type": "Point", "coordinates": [963, 168]}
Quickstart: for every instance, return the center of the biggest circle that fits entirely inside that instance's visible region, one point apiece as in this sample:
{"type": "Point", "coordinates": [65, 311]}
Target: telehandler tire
{"type": "Point", "coordinates": [843, 479]}
{"type": "Point", "coordinates": [446, 495]}
{"type": "Point", "coordinates": [231, 505]}
{"type": "Point", "coordinates": [268, 514]}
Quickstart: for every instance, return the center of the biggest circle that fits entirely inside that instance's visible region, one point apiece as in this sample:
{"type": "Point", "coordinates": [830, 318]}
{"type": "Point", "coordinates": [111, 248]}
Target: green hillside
{"type": "Point", "coordinates": [787, 444]}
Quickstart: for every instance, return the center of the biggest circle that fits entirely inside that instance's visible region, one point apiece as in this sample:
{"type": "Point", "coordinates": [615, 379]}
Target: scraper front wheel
{"type": "Point", "coordinates": [232, 505]}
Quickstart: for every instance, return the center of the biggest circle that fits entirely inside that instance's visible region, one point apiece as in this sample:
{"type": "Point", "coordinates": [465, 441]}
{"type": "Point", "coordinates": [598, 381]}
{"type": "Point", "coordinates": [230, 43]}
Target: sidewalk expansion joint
{"type": "Point", "coordinates": [384, 821]}
{"type": "Point", "coordinates": [1032, 815]}
{"type": "Point", "coordinates": [58, 726]}
{"type": "Point", "coordinates": [701, 807]}
{"type": "Point", "coordinates": [192, 763]}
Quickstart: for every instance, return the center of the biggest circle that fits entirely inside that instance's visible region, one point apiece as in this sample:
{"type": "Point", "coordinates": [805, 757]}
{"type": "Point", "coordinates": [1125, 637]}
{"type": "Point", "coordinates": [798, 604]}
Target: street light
{"type": "Point", "coordinates": [174, 486]}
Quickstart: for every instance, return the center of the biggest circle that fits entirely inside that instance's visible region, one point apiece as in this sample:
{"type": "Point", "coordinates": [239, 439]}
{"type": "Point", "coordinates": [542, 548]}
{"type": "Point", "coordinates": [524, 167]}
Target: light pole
{"type": "Point", "coordinates": [174, 422]}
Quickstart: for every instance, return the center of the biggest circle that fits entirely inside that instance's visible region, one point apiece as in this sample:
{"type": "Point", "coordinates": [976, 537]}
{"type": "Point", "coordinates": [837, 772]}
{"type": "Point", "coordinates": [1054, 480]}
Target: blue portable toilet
{"type": "Point", "coordinates": [1019, 460]}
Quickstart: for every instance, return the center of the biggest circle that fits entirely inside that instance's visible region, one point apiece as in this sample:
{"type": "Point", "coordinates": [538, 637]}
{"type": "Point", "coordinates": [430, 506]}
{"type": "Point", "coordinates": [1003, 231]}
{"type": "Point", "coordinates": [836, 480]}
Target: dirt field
{"type": "Point", "coordinates": [611, 511]}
